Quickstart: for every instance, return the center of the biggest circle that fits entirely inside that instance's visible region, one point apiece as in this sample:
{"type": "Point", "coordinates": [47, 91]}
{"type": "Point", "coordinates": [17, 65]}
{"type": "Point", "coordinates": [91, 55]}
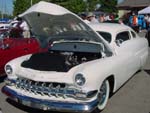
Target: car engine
{"type": "Point", "coordinates": [58, 60]}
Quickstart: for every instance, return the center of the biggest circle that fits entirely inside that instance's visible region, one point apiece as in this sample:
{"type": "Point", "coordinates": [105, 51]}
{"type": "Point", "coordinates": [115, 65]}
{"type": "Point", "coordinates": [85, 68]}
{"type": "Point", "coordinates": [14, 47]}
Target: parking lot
{"type": "Point", "coordinates": [133, 97]}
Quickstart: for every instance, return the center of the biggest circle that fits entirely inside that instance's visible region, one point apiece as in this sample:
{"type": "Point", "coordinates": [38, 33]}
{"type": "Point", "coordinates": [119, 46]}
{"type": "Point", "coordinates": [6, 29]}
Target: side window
{"type": "Point", "coordinates": [123, 36]}
{"type": "Point", "coordinates": [107, 36]}
{"type": "Point", "coordinates": [133, 34]}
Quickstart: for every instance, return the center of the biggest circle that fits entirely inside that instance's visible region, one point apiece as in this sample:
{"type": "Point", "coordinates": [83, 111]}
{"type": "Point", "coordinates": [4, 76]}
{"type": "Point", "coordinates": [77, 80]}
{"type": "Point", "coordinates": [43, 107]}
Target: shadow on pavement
{"type": "Point", "coordinates": [2, 79]}
{"type": "Point", "coordinates": [147, 71]}
{"type": "Point", "coordinates": [27, 109]}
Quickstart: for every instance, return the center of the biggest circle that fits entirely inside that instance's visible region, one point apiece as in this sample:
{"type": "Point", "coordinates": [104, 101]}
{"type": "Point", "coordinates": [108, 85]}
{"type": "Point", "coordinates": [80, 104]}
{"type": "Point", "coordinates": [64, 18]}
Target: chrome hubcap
{"type": "Point", "coordinates": [102, 93]}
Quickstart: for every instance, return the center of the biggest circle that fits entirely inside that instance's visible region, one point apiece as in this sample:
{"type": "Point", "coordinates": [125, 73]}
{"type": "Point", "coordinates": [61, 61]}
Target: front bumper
{"type": "Point", "coordinates": [49, 105]}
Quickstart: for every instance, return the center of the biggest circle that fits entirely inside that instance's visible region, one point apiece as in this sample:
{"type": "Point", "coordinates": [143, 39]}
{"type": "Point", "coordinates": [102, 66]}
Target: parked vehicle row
{"type": "Point", "coordinates": [4, 28]}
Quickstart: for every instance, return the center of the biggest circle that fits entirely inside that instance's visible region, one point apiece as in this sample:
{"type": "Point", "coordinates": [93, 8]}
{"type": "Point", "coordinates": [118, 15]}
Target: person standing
{"type": "Point", "coordinates": [135, 20]}
{"type": "Point", "coordinates": [134, 24]}
{"type": "Point", "coordinates": [25, 28]}
{"type": "Point", "coordinates": [15, 30]}
{"type": "Point", "coordinates": [148, 30]}
{"type": "Point", "coordinates": [148, 22]}
{"type": "Point", "coordinates": [101, 18]}
{"type": "Point", "coordinates": [91, 17]}
{"type": "Point", "coordinates": [120, 21]}
{"type": "Point", "coordinates": [84, 17]}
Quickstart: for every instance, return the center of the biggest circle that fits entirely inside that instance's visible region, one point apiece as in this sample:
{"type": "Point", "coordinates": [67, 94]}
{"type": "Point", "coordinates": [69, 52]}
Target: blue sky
{"type": "Point", "coordinates": [7, 6]}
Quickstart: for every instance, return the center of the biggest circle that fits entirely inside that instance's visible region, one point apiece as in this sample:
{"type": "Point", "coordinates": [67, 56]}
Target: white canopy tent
{"type": "Point", "coordinates": [145, 10]}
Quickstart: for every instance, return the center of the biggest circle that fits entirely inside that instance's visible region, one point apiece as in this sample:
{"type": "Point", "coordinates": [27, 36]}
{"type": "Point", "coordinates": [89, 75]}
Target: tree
{"type": "Point", "coordinates": [92, 4]}
{"type": "Point", "coordinates": [108, 6]}
{"type": "Point", "coordinates": [20, 6]}
{"type": "Point", "coordinates": [75, 6]}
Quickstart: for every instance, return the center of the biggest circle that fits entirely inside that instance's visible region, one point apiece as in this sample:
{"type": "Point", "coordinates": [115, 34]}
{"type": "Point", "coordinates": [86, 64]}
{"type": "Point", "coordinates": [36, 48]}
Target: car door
{"type": "Point", "coordinates": [126, 50]}
{"type": "Point", "coordinates": [141, 47]}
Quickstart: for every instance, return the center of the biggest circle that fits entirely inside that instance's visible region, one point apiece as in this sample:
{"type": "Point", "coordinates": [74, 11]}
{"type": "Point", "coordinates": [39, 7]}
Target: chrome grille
{"type": "Point", "coordinates": [46, 88]}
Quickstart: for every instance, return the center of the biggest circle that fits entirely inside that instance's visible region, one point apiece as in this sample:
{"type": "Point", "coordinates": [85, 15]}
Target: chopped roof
{"type": "Point", "coordinates": [111, 27]}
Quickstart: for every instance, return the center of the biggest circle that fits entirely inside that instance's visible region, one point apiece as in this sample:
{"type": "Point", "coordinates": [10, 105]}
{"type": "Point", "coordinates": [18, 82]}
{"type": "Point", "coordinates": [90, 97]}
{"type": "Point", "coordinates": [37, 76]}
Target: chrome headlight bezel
{"type": "Point", "coordinates": [8, 69]}
{"type": "Point", "coordinates": [79, 79]}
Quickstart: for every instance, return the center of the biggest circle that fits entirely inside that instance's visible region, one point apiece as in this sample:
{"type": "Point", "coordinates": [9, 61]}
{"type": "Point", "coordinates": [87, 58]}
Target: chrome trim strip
{"type": "Point", "coordinates": [50, 105]}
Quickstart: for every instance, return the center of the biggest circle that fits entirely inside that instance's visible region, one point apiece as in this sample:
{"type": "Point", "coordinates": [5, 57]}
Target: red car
{"type": "Point", "coordinates": [11, 48]}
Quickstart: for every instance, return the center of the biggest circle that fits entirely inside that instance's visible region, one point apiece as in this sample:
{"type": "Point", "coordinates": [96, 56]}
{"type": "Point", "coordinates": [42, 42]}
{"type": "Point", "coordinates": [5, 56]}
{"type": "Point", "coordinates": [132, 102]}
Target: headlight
{"type": "Point", "coordinates": [80, 80]}
{"type": "Point", "coordinates": [8, 69]}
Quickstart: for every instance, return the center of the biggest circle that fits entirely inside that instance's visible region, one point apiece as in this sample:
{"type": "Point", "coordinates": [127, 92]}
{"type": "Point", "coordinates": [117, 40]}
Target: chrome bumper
{"type": "Point", "coordinates": [49, 105]}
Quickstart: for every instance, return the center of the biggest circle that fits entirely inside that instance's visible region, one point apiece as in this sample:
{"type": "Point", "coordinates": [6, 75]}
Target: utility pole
{"type": "Point", "coordinates": [2, 13]}
{"type": "Point", "coordinates": [31, 3]}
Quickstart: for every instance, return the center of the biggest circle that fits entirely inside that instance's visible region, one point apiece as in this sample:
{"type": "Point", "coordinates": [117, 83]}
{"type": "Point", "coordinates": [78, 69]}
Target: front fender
{"type": "Point", "coordinates": [95, 72]}
{"type": "Point", "coordinates": [15, 64]}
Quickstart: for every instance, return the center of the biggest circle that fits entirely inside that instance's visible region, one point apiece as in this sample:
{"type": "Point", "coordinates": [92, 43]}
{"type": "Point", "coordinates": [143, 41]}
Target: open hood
{"type": "Point", "coordinates": [47, 8]}
{"type": "Point", "coordinates": [51, 22]}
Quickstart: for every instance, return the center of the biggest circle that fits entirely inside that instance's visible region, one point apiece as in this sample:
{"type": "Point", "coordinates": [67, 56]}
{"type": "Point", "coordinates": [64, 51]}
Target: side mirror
{"type": "Point", "coordinates": [119, 42]}
{"type": "Point", "coordinates": [102, 49]}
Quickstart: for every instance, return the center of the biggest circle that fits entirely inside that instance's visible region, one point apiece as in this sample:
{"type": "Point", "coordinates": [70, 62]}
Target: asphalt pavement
{"type": "Point", "coordinates": [133, 97]}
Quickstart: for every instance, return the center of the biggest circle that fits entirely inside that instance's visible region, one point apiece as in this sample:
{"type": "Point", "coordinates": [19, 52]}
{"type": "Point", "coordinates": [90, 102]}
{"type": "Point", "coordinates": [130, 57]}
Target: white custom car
{"type": "Point", "coordinates": [80, 69]}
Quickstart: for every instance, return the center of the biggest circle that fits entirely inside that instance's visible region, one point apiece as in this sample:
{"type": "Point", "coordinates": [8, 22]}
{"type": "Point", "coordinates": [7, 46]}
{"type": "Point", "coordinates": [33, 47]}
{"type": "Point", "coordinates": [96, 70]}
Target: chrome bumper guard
{"type": "Point", "coordinates": [49, 105]}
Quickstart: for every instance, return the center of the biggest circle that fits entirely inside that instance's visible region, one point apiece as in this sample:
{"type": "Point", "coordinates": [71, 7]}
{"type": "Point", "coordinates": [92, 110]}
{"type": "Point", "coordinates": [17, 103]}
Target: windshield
{"type": "Point", "coordinates": [48, 27]}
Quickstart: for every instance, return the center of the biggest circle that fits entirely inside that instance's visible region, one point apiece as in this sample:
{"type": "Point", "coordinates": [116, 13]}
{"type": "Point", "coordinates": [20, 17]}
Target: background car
{"type": "Point", "coordinates": [80, 69]}
{"type": "Point", "coordinates": [13, 46]}
{"type": "Point", "coordinates": [4, 28]}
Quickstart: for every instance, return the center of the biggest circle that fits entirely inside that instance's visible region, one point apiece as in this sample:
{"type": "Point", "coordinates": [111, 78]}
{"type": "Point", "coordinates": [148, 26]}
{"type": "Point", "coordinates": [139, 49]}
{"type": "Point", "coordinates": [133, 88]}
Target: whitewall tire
{"type": "Point", "coordinates": [103, 95]}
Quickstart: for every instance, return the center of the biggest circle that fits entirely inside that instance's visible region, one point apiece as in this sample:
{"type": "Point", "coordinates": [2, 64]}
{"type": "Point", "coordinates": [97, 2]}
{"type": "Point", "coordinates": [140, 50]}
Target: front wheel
{"type": "Point", "coordinates": [103, 95]}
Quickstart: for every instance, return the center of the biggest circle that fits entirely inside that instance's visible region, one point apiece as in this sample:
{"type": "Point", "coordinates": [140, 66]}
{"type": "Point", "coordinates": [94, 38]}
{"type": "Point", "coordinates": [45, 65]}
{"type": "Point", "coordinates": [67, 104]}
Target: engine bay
{"type": "Point", "coordinates": [58, 60]}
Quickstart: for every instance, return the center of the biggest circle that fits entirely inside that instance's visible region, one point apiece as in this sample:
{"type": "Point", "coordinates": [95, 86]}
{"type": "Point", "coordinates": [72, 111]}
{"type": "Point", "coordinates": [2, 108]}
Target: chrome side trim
{"type": "Point", "coordinates": [50, 104]}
